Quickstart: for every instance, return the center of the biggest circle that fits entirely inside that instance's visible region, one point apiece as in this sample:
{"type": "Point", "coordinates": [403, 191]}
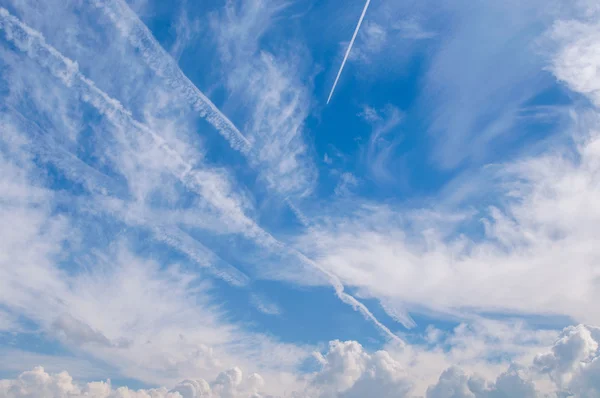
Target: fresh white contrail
{"type": "Point", "coordinates": [141, 37]}
{"type": "Point", "coordinates": [33, 43]}
{"type": "Point", "coordinates": [362, 16]}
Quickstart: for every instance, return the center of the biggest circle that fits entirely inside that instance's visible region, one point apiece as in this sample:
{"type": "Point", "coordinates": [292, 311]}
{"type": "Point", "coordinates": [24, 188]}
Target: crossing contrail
{"type": "Point", "coordinates": [362, 16]}
{"type": "Point", "coordinates": [34, 45]}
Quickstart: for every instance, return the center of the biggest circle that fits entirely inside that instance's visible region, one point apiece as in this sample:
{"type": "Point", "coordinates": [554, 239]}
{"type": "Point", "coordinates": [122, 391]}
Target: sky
{"type": "Point", "coordinates": [299, 199]}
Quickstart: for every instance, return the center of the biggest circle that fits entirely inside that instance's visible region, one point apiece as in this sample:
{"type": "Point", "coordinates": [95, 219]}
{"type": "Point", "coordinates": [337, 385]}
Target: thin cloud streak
{"type": "Point", "coordinates": [362, 16]}
{"type": "Point", "coordinates": [281, 173]}
{"type": "Point", "coordinates": [100, 184]}
{"type": "Point", "coordinates": [165, 66]}
{"type": "Point", "coordinates": [34, 44]}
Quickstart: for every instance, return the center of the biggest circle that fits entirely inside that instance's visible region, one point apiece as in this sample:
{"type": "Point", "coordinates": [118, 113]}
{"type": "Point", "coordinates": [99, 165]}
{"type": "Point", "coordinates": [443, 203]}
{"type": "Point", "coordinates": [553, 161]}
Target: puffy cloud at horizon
{"type": "Point", "coordinates": [569, 366]}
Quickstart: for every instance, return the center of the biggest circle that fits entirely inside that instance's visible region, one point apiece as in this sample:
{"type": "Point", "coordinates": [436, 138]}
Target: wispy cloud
{"type": "Point", "coordinates": [124, 310]}
{"type": "Point", "coordinates": [578, 57]}
{"type": "Point", "coordinates": [382, 141]}
{"type": "Point", "coordinates": [124, 228]}
{"type": "Point", "coordinates": [412, 29]}
{"type": "Point", "coordinates": [165, 299]}
{"type": "Point", "coordinates": [206, 183]}
{"type": "Point", "coordinates": [540, 222]}
{"type": "Point", "coordinates": [270, 88]}
{"type": "Point", "coordinates": [163, 64]}
{"type": "Point", "coordinates": [347, 182]}
{"type": "Point", "coordinates": [265, 305]}
{"type": "Point", "coordinates": [472, 92]}
{"type": "Point", "coordinates": [538, 216]}
{"type": "Point", "coordinates": [538, 229]}
{"type": "Point", "coordinates": [186, 31]}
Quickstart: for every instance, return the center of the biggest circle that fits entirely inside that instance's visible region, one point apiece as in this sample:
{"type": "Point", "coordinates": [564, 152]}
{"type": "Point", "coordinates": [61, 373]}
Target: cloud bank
{"type": "Point", "coordinates": [569, 367]}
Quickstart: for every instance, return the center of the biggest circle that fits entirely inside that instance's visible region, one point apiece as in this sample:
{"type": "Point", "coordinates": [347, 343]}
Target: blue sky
{"type": "Point", "coordinates": [185, 214]}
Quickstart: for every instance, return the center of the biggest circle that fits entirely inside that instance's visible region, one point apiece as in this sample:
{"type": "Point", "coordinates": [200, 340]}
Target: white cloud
{"type": "Point", "coordinates": [382, 35]}
{"type": "Point", "coordinates": [483, 73]}
{"type": "Point", "coordinates": [271, 89]}
{"type": "Point", "coordinates": [454, 383]}
{"type": "Point", "coordinates": [349, 371]}
{"type": "Point", "coordinates": [152, 163]}
{"type": "Point", "coordinates": [264, 305]}
{"type": "Point", "coordinates": [37, 383]}
{"type": "Point", "coordinates": [346, 183]}
{"type": "Point", "coordinates": [572, 363]}
{"type": "Point", "coordinates": [163, 64]}
{"type": "Point", "coordinates": [578, 58]}
{"type": "Point", "coordinates": [156, 323]}
{"type": "Point", "coordinates": [412, 29]}
{"type": "Point", "coordinates": [186, 31]}
{"type": "Point", "coordinates": [154, 166]}
{"type": "Point", "coordinates": [7, 321]}
{"type": "Point", "coordinates": [148, 321]}
{"type": "Point", "coordinates": [378, 152]}
{"type": "Point", "coordinates": [547, 219]}
{"type": "Point", "coordinates": [371, 40]}
{"type": "Point", "coordinates": [541, 214]}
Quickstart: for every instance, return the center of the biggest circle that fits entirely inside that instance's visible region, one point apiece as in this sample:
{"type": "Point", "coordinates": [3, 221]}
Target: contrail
{"type": "Point", "coordinates": [141, 37]}
{"type": "Point", "coordinates": [337, 284]}
{"type": "Point", "coordinates": [33, 43]}
{"type": "Point", "coordinates": [362, 16]}
{"type": "Point", "coordinates": [165, 66]}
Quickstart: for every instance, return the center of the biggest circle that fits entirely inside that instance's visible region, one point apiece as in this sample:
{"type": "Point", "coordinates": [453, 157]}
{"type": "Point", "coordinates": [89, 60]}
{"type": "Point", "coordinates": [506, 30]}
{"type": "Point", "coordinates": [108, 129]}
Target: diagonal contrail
{"type": "Point", "coordinates": [138, 34]}
{"type": "Point", "coordinates": [362, 16]}
{"type": "Point", "coordinates": [34, 44]}
{"type": "Point", "coordinates": [141, 37]}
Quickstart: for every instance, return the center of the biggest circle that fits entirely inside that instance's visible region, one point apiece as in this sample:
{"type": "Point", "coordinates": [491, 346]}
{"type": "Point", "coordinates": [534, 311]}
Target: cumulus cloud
{"type": "Point", "coordinates": [572, 363]}
{"type": "Point", "coordinates": [40, 384]}
{"type": "Point", "coordinates": [454, 383]}
{"type": "Point", "coordinates": [347, 370]}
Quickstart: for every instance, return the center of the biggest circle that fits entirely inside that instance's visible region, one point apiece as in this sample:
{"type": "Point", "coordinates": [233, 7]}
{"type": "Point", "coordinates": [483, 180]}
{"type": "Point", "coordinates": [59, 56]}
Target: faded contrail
{"type": "Point", "coordinates": [141, 37]}
{"type": "Point", "coordinates": [165, 66]}
{"type": "Point", "coordinates": [33, 43]}
{"type": "Point", "coordinates": [362, 16]}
